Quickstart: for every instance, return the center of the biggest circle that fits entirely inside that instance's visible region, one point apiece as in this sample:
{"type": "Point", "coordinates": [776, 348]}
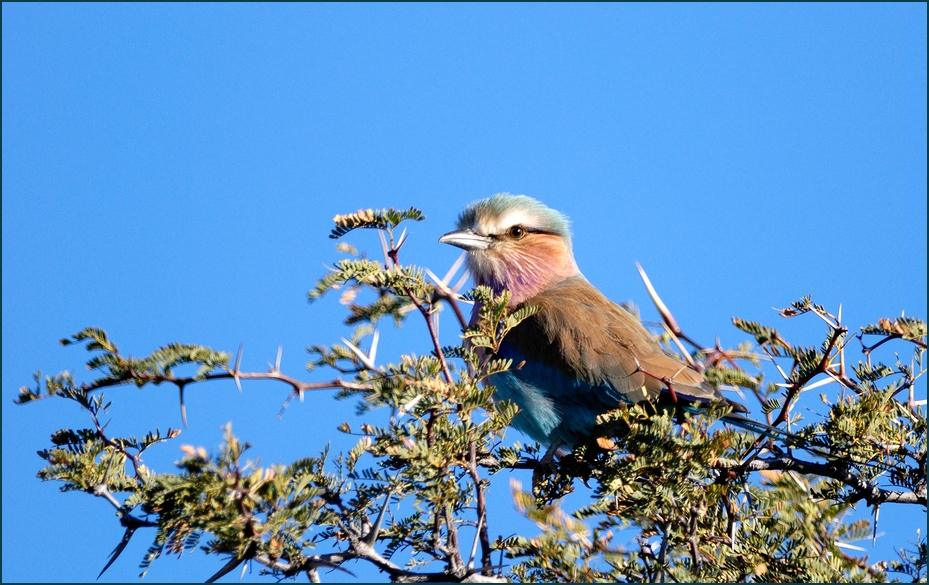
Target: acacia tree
{"type": "Point", "coordinates": [697, 503]}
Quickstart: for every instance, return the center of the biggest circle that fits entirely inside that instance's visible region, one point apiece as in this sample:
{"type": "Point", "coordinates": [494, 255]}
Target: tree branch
{"type": "Point", "coordinates": [873, 494]}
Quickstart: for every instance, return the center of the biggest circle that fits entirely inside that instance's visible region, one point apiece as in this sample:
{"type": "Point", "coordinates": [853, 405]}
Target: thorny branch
{"type": "Point", "coordinates": [871, 493]}
{"type": "Point", "coordinates": [361, 542]}
{"type": "Point", "coordinates": [481, 505]}
{"type": "Point", "coordinates": [821, 368]}
{"type": "Point", "coordinates": [427, 313]}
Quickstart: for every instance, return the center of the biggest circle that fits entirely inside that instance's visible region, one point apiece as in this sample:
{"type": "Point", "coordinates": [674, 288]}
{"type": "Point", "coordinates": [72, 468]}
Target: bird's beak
{"type": "Point", "coordinates": [466, 240]}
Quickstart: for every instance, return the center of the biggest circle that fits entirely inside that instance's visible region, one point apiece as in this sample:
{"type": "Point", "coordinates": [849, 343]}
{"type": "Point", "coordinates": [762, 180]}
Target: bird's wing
{"type": "Point", "coordinates": [581, 336]}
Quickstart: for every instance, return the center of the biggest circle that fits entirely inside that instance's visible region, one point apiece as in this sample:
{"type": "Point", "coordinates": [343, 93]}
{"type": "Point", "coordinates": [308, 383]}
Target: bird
{"type": "Point", "coordinates": [582, 355]}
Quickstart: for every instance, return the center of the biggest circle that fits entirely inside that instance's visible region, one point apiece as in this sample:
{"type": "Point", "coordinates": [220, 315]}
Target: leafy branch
{"type": "Point", "coordinates": [697, 502]}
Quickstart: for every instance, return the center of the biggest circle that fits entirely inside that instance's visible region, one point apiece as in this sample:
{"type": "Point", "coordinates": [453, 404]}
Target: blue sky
{"type": "Point", "coordinates": [170, 173]}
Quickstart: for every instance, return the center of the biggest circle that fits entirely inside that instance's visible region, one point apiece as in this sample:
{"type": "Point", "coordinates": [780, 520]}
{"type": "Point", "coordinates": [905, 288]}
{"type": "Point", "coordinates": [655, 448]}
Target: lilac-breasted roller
{"type": "Point", "coordinates": [583, 354]}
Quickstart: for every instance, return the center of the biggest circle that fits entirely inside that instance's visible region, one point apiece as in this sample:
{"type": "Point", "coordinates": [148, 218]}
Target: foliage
{"type": "Point", "coordinates": [675, 498]}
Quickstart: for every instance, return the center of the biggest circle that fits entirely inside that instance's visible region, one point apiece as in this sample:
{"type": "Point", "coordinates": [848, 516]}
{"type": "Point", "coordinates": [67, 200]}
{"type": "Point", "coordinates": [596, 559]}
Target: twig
{"type": "Point", "coordinates": [453, 558]}
{"type": "Point", "coordinates": [393, 253]}
{"type": "Point", "coordinates": [481, 509]}
{"type": "Point", "coordinates": [821, 368]}
{"type": "Point", "coordinates": [692, 538]}
{"type": "Point", "coordinates": [890, 336]}
{"type": "Point", "coordinates": [872, 494]}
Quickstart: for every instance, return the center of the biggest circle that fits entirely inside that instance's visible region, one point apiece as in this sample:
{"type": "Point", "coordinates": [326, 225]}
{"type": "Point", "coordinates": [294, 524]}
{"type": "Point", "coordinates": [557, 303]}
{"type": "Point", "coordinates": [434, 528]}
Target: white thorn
{"type": "Point", "coordinates": [359, 354]}
{"type": "Point", "coordinates": [823, 382]}
{"type": "Point", "coordinates": [824, 318]}
{"type": "Point", "coordinates": [439, 283]}
{"type": "Point", "coordinates": [401, 240]}
{"type": "Point", "coordinates": [793, 475]}
{"type": "Point", "coordinates": [464, 278]}
{"type": "Point", "coordinates": [238, 364]}
{"type": "Point", "coordinates": [849, 546]}
{"type": "Point", "coordinates": [384, 248]}
{"type": "Point", "coordinates": [783, 374]}
{"type": "Point", "coordinates": [477, 535]}
{"type": "Point", "coordinates": [372, 353]}
{"type": "Point", "coordinates": [681, 347]}
{"type": "Point", "coordinates": [408, 406]}
{"type": "Point", "coordinates": [662, 308]}
{"type": "Point", "coordinates": [455, 266]}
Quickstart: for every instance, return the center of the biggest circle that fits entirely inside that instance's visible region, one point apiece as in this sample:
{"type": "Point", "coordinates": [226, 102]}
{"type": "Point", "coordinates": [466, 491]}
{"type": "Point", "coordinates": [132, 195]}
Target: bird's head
{"type": "Point", "coordinates": [516, 243]}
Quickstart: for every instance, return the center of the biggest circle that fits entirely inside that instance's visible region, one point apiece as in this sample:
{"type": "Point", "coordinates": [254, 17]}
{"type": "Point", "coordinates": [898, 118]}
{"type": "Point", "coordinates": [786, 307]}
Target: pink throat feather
{"type": "Point", "coordinates": [525, 272]}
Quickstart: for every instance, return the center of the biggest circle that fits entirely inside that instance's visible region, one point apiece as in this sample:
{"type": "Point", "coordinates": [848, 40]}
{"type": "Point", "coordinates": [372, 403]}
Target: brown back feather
{"type": "Point", "coordinates": [587, 336]}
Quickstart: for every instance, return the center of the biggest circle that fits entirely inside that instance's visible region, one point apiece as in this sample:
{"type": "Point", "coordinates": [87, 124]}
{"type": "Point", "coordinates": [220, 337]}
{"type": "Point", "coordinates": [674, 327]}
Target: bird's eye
{"type": "Point", "coordinates": [517, 232]}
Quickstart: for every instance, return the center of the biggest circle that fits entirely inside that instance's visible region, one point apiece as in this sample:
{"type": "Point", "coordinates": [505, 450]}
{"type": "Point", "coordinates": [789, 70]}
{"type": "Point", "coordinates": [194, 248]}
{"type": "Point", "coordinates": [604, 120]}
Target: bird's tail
{"type": "Point", "coordinates": [761, 428]}
{"type": "Point", "coordinates": [792, 440]}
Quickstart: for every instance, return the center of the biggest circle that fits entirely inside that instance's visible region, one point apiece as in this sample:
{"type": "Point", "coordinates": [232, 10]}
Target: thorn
{"type": "Point", "coordinates": [372, 537]}
{"type": "Point", "coordinates": [824, 318]}
{"type": "Point", "coordinates": [877, 516]}
{"type": "Point", "coordinates": [365, 361]}
{"type": "Point", "coordinates": [409, 406]}
{"type": "Point", "coordinates": [183, 407]}
{"type": "Point", "coordinates": [680, 346]}
{"type": "Point", "coordinates": [665, 313]}
{"type": "Point", "coordinates": [823, 382]}
{"type": "Point", "coordinates": [793, 475]}
{"type": "Point", "coordinates": [106, 474]}
{"type": "Point", "coordinates": [454, 268]}
{"type": "Point", "coordinates": [441, 285]}
{"type": "Point", "coordinates": [327, 565]}
{"type": "Point", "coordinates": [130, 530]}
{"type": "Point", "coordinates": [372, 353]}
{"type": "Point", "coordinates": [277, 362]}
{"type": "Point", "coordinates": [387, 261]}
{"type": "Point", "coordinates": [737, 391]}
{"type": "Point", "coordinates": [400, 241]}
{"type": "Point", "coordinates": [461, 281]}
{"type": "Point", "coordinates": [842, 359]}
{"type": "Point", "coordinates": [228, 567]}
{"type": "Point", "coordinates": [238, 364]}
{"type": "Point", "coordinates": [477, 535]}
{"type": "Point", "coordinates": [732, 537]}
{"type": "Point", "coordinates": [280, 413]}
{"type": "Point", "coordinates": [783, 374]}
{"type": "Point", "coordinates": [839, 316]}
